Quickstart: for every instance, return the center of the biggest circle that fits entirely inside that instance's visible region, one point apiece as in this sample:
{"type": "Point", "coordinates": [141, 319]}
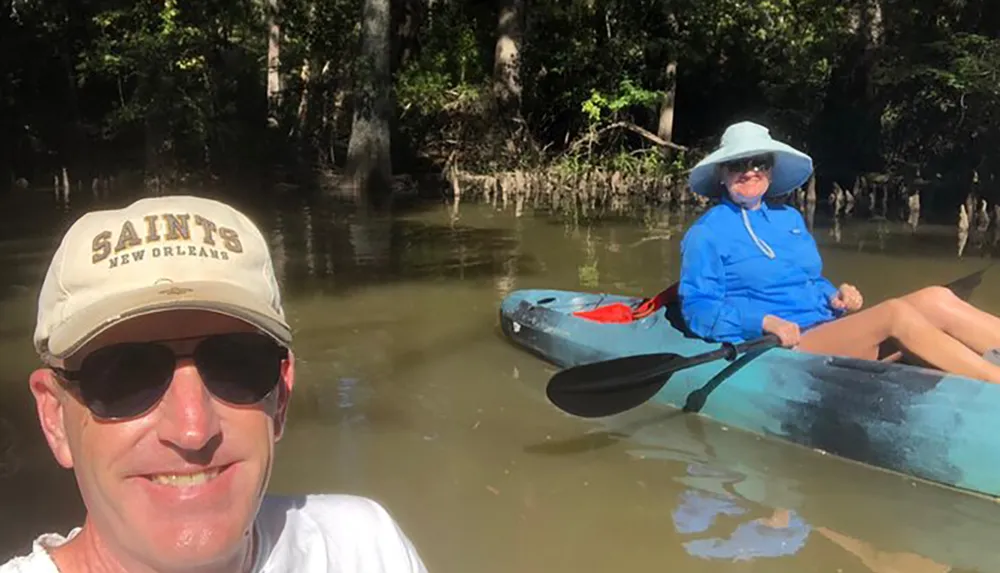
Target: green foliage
{"type": "Point", "coordinates": [913, 89]}
{"type": "Point", "coordinates": [938, 102]}
{"type": "Point", "coordinates": [600, 106]}
{"type": "Point", "coordinates": [160, 58]}
{"type": "Point", "coordinates": [451, 70]}
{"type": "Point", "coordinates": [429, 92]}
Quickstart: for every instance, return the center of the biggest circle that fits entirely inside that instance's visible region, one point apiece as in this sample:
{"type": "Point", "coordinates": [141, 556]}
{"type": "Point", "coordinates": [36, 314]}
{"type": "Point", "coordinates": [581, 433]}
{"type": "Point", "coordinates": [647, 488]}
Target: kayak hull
{"type": "Point", "coordinates": [915, 421]}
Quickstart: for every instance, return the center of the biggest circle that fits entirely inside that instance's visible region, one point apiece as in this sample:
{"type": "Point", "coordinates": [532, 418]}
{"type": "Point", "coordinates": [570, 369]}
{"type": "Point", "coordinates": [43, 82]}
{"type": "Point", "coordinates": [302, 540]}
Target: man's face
{"type": "Point", "coordinates": [180, 485]}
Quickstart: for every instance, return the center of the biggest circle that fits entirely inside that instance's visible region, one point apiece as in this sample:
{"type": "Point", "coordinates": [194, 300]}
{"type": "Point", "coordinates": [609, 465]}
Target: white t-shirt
{"type": "Point", "coordinates": [311, 534]}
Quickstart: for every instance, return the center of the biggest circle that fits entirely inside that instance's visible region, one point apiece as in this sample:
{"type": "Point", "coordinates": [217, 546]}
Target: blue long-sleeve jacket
{"type": "Point", "coordinates": [729, 283]}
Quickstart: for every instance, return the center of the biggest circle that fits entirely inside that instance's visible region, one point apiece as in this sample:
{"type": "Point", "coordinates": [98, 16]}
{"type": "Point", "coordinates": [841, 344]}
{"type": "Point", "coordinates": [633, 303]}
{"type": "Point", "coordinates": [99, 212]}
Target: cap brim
{"type": "Point", "coordinates": [223, 298]}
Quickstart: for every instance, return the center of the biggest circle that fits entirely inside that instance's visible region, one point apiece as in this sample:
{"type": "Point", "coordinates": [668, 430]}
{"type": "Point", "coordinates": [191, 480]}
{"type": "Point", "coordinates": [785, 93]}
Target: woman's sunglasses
{"type": "Point", "coordinates": [757, 163]}
{"type": "Point", "coordinates": [128, 379]}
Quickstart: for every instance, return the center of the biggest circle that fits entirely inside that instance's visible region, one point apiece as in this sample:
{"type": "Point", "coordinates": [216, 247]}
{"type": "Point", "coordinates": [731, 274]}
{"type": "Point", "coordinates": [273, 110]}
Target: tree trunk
{"type": "Point", "coordinates": [301, 127]}
{"type": "Point", "coordinates": [334, 117]}
{"type": "Point", "coordinates": [665, 129]}
{"type": "Point", "coordinates": [873, 32]}
{"type": "Point", "coordinates": [369, 161]}
{"type": "Point", "coordinates": [850, 129]}
{"type": "Point", "coordinates": [409, 15]}
{"type": "Point", "coordinates": [871, 29]}
{"type": "Point", "coordinates": [507, 58]}
{"type": "Point", "coordinates": [274, 94]}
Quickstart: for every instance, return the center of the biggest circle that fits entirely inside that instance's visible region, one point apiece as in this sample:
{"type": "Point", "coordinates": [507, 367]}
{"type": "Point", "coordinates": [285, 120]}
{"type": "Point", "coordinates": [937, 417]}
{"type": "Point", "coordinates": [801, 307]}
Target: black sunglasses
{"type": "Point", "coordinates": [756, 163]}
{"type": "Point", "coordinates": [128, 379]}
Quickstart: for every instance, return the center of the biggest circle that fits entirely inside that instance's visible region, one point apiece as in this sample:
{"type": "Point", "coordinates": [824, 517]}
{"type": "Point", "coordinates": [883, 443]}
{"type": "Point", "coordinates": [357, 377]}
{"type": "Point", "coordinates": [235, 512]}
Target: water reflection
{"type": "Point", "coordinates": [309, 250]}
{"type": "Point", "coordinates": [320, 247]}
{"type": "Point", "coordinates": [506, 282]}
{"type": "Point", "coordinates": [371, 241]}
{"type": "Point", "coordinates": [810, 216]}
{"type": "Point", "coordinates": [883, 561]}
{"type": "Point", "coordinates": [590, 275]}
{"type": "Point", "coordinates": [781, 534]}
{"type": "Point", "coordinates": [890, 522]}
{"type": "Point", "coordinates": [744, 498]}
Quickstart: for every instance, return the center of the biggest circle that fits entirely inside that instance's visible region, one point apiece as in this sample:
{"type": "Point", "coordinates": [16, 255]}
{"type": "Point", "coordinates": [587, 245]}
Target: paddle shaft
{"type": "Point", "coordinates": [623, 383]}
{"type": "Point", "coordinates": [727, 351]}
{"type": "Point", "coordinates": [592, 378]}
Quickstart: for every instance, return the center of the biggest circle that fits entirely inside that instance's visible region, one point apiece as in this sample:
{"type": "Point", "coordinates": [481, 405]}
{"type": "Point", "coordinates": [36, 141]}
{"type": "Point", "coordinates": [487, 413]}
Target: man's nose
{"type": "Point", "coordinates": [188, 415]}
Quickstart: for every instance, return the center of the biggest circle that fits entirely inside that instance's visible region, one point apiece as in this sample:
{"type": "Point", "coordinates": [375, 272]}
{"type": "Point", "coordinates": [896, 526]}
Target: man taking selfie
{"type": "Point", "coordinates": [167, 372]}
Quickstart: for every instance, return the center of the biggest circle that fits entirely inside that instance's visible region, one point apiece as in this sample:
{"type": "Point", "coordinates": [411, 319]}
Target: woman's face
{"type": "Point", "coordinates": [747, 179]}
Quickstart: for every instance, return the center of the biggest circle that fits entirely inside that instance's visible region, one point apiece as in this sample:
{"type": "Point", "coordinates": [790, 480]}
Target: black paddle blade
{"type": "Point", "coordinates": [609, 387]}
{"type": "Point", "coordinates": [964, 286]}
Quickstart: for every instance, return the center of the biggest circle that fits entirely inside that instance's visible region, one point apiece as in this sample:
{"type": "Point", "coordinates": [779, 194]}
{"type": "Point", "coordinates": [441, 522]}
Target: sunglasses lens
{"type": "Point", "coordinates": [125, 380]}
{"type": "Point", "coordinates": [748, 164]}
{"type": "Point", "coordinates": [240, 368]}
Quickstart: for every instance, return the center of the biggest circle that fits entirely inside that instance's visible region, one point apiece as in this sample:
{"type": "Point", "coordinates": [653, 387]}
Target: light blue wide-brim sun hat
{"type": "Point", "coordinates": [791, 168]}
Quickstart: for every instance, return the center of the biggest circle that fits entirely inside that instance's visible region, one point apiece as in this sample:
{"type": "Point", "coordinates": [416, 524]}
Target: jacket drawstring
{"type": "Point", "coordinates": [764, 247]}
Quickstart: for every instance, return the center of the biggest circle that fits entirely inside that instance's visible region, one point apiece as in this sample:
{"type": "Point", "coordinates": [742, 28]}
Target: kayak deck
{"type": "Point", "coordinates": [916, 421]}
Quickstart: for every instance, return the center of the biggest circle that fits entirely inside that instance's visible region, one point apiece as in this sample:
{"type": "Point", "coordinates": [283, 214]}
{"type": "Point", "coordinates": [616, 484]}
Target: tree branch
{"type": "Point", "coordinates": [648, 135]}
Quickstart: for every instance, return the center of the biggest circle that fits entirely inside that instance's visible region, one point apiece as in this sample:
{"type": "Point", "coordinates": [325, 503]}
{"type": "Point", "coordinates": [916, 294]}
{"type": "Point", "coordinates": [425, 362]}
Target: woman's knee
{"type": "Point", "coordinates": [932, 296]}
{"type": "Point", "coordinates": [901, 315]}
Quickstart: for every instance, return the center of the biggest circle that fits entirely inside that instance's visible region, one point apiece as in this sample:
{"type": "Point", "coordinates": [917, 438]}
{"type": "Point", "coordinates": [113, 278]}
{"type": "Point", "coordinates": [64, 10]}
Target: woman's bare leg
{"type": "Point", "coordinates": [976, 329]}
{"type": "Point", "coordinates": [859, 335]}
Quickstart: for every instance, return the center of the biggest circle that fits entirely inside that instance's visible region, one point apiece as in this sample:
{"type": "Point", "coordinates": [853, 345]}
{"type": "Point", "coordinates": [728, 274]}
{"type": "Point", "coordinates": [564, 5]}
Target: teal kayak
{"type": "Point", "coordinates": [916, 421]}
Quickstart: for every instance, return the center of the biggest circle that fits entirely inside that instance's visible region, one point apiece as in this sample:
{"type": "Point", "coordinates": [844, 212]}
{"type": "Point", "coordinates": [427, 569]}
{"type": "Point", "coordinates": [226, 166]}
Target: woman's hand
{"type": "Point", "coordinates": [848, 298]}
{"type": "Point", "coordinates": [787, 331]}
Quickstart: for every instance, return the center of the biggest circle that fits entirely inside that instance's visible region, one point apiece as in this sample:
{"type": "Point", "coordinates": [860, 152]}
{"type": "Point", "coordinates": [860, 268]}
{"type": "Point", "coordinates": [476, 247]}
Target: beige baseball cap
{"type": "Point", "coordinates": [161, 253]}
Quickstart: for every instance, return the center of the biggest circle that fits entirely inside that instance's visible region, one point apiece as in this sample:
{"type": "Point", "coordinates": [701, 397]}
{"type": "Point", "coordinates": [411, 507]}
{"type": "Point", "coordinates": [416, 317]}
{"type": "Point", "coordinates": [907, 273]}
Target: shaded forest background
{"type": "Point", "coordinates": [352, 94]}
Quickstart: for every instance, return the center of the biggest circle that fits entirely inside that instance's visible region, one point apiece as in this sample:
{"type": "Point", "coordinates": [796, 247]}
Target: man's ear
{"type": "Point", "coordinates": [285, 386]}
{"type": "Point", "coordinates": [49, 398]}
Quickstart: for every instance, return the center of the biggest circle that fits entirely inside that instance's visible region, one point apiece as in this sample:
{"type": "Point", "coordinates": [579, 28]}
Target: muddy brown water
{"type": "Point", "coordinates": [408, 393]}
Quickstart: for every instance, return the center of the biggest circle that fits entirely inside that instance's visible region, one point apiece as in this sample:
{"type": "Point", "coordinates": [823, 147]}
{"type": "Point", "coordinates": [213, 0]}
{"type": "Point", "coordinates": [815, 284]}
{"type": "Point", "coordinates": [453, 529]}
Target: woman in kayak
{"type": "Point", "coordinates": [749, 268]}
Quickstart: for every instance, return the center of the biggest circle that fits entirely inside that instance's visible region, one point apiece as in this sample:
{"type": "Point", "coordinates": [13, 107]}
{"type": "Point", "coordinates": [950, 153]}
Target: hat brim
{"type": "Point", "coordinates": [791, 168]}
{"type": "Point", "coordinates": [223, 298]}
